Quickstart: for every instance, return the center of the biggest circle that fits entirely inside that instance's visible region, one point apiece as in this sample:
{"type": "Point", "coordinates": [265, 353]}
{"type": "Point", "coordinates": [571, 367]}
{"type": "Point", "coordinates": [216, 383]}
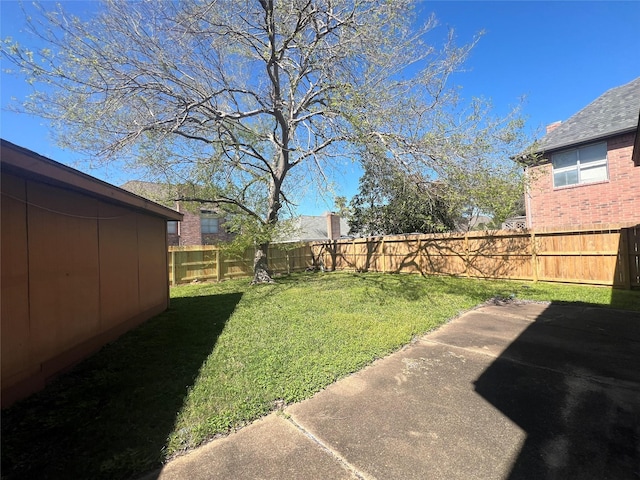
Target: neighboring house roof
{"type": "Point", "coordinates": [615, 112]}
{"type": "Point", "coordinates": [27, 162]}
{"type": "Point", "coordinates": [478, 220]}
{"type": "Point", "coordinates": [163, 193]}
{"type": "Point", "coordinates": [307, 228]}
{"type": "Point", "coordinates": [158, 192]}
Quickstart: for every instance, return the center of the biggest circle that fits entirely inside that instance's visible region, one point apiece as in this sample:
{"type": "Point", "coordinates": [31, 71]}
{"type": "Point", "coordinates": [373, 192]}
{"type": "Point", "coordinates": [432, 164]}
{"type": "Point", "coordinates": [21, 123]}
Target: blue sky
{"type": "Point", "coordinates": [559, 55]}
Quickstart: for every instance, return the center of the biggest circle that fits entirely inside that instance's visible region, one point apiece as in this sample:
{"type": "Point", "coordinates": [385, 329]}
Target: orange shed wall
{"type": "Point", "coordinates": [77, 272]}
{"type": "Point", "coordinates": [614, 201]}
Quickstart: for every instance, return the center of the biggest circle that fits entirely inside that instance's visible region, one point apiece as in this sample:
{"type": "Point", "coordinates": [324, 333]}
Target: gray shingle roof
{"type": "Point", "coordinates": [612, 113]}
{"type": "Point", "coordinates": [158, 192]}
{"type": "Point", "coordinates": [312, 228]}
{"type": "Point", "coordinates": [162, 193]}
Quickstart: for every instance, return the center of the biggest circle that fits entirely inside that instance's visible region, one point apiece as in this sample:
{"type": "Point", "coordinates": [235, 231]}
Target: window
{"type": "Point", "coordinates": [209, 225]}
{"type": "Point", "coordinates": [580, 165]}
{"type": "Point", "coordinates": [172, 227]}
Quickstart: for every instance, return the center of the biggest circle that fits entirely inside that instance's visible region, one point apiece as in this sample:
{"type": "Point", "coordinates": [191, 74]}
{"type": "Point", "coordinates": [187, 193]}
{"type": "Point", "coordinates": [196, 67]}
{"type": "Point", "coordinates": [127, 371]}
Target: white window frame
{"type": "Point", "coordinates": [581, 167]}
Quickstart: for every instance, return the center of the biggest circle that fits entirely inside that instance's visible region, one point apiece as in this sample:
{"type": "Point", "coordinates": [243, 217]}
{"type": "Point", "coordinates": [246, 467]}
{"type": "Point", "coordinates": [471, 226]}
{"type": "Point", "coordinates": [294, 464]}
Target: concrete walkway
{"type": "Point", "coordinates": [516, 391]}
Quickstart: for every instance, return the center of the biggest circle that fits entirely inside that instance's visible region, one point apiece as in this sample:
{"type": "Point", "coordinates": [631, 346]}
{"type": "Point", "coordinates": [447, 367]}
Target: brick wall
{"type": "Point", "coordinates": [614, 201]}
{"type": "Point", "coordinates": [173, 240]}
{"type": "Point", "coordinates": [214, 238]}
{"type": "Point", "coordinates": [190, 229]}
{"type": "Point", "coordinates": [333, 226]}
{"type": "Point", "coordinates": [190, 232]}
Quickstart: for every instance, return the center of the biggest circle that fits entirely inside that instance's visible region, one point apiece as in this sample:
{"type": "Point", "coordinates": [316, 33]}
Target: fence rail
{"type": "Point", "coordinates": [592, 255]}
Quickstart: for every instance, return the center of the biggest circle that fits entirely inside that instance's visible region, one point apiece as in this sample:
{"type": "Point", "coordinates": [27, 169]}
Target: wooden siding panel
{"type": "Point", "coordinates": [63, 269]}
{"type": "Point", "coordinates": [118, 237]}
{"type": "Point", "coordinates": [15, 279]}
{"type": "Point", "coordinates": [152, 262]}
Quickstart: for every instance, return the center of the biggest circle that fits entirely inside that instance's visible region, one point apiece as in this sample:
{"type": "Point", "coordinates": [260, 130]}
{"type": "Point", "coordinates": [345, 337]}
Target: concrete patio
{"type": "Point", "coordinates": [511, 391]}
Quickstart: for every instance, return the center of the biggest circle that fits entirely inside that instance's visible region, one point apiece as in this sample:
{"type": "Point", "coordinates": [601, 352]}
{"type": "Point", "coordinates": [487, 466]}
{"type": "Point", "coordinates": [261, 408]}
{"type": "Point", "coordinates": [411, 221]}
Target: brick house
{"type": "Point", "coordinates": [587, 171]}
{"type": "Point", "coordinates": [201, 224]}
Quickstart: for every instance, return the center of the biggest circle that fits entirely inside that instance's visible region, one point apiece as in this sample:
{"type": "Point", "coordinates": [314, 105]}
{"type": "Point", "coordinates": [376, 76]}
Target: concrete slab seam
{"type": "Point", "coordinates": [626, 384]}
{"type": "Point", "coordinates": [512, 316]}
{"type": "Point", "coordinates": [505, 311]}
{"type": "Point", "coordinates": [465, 349]}
{"type": "Point", "coordinates": [335, 455]}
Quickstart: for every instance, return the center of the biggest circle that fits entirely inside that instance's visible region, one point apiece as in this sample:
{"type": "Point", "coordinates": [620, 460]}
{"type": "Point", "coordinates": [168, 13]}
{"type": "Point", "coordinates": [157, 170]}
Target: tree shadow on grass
{"type": "Point", "coordinates": [110, 416]}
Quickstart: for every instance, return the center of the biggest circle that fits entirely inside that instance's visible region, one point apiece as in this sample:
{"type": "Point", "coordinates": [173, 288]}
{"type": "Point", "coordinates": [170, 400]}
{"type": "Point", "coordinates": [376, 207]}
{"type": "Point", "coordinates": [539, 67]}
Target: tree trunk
{"type": "Point", "coordinates": [260, 272]}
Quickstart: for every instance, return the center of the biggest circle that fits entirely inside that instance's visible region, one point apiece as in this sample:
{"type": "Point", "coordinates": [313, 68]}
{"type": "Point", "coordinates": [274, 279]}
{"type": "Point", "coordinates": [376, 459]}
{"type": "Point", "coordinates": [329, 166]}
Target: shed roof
{"type": "Point", "coordinates": [613, 113]}
{"type": "Point", "coordinates": [28, 163]}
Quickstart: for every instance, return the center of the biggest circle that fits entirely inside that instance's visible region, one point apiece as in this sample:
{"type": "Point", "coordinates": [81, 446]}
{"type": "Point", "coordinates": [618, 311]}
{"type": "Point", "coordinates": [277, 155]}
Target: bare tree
{"type": "Point", "coordinates": [248, 99]}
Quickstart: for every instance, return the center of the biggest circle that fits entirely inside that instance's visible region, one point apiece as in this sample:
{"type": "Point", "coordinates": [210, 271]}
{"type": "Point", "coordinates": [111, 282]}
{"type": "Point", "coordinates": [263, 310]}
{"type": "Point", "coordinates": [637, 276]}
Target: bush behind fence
{"type": "Point", "coordinates": [594, 255]}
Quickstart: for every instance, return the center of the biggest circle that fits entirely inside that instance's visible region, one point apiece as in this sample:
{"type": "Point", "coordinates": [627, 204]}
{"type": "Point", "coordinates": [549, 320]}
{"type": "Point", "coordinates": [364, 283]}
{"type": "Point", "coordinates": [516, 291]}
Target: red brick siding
{"type": "Point", "coordinates": [190, 233]}
{"type": "Point", "coordinates": [190, 229]}
{"type": "Point", "coordinates": [173, 240]}
{"type": "Point", "coordinates": [213, 238]}
{"type": "Point", "coordinates": [614, 201]}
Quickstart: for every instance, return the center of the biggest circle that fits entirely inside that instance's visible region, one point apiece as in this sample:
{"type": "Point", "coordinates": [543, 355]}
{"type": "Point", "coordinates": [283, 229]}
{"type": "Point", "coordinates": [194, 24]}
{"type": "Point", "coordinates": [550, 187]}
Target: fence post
{"type": "Point", "coordinates": [355, 259]}
{"type": "Point", "coordinates": [173, 268]}
{"type": "Point", "coordinates": [384, 258]}
{"type": "Point", "coordinates": [466, 254]}
{"type": "Point", "coordinates": [218, 265]}
{"type": "Point", "coordinates": [623, 258]}
{"type": "Point", "coordinates": [534, 257]}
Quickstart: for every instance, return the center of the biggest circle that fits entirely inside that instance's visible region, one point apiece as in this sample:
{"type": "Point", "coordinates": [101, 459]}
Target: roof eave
{"type": "Point", "coordinates": [585, 141]}
{"type": "Point", "coordinates": [21, 160]}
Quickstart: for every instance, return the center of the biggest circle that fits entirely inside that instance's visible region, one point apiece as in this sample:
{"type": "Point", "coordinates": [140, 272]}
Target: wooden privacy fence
{"type": "Point", "coordinates": [207, 262]}
{"type": "Point", "coordinates": [596, 255]}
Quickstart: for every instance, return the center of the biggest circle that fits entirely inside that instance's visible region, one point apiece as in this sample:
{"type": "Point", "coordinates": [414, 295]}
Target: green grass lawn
{"type": "Point", "coordinates": [226, 354]}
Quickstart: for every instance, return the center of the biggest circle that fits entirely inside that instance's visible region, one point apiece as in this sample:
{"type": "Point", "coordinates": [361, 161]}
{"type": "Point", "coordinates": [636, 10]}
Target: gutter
{"type": "Point", "coordinates": [586, 141]}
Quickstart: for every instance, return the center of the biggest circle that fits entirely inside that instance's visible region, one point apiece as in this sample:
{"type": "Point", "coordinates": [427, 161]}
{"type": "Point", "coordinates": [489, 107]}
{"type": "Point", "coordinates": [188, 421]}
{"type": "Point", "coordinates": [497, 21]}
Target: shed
{"type": "Point", "coordinates": [82, 262]}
